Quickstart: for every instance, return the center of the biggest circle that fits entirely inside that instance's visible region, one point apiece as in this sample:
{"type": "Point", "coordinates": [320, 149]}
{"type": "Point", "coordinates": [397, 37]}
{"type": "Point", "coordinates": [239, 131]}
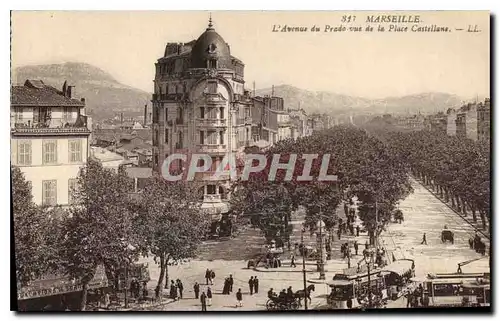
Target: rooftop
{"type": "Point", "coordinates": [105, 155]}
{"type": "Point", "coordinates": [36, 93]}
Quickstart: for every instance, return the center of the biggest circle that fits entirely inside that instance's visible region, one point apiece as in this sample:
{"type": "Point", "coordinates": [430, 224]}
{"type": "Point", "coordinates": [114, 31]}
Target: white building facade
{"type": "Point", "coordinates": [49, 139]}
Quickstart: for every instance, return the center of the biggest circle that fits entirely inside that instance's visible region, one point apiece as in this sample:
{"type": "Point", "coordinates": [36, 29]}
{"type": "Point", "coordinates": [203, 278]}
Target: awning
{"type": "Point", "coordinates": [399, 267]}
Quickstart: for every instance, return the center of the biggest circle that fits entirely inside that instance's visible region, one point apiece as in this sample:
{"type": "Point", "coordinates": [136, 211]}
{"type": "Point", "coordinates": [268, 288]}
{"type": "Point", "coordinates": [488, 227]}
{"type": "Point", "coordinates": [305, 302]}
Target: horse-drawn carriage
{"type": "Point", "coordinates": [478, 245]}
{"type": "Point", "coordinates": [267, 258]}
{"type": "Point", "coordinates": [277, 303]}
{"type": "Point", "coordinates": [289, 302]}
{"type": "Point", "coordinates": [447, 235]}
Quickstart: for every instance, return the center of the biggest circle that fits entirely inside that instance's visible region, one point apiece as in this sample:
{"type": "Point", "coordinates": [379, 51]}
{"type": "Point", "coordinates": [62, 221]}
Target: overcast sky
{"type": "Point", "coordinates": [374, 65]}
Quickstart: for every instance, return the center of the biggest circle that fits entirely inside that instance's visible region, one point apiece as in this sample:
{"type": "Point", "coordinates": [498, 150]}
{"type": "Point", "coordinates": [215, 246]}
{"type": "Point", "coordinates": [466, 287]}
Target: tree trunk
{"type": "Point", "coordinates": [453, 201]}
{"type": "Point", "coordinates": [446, 195]}
{"type": "Point", "coordinates": [473, 210]}
{"type": "Point", "coordinates": [371, 235]}
{"type": "Point", "coordinates": [83, 302]}
{"type": "Point", "coordinates": [483, 218]}
{"type": "Point", "coordinates": [167, 279]}
{"type": "Point", "coordinates": [162, 274]}
{"type": "Point", "coordinates": [464, 207]}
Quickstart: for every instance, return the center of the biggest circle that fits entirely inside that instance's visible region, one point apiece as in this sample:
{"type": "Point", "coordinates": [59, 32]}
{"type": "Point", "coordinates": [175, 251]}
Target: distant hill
{"type": "Point", "coordinates": [104, 95]}
{"type": "Point", "coordinates": [332, 103]}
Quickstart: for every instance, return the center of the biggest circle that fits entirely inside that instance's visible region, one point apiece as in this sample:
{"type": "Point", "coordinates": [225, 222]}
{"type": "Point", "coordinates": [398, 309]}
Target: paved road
{"type": "Point", "coordinates": [423, 213]}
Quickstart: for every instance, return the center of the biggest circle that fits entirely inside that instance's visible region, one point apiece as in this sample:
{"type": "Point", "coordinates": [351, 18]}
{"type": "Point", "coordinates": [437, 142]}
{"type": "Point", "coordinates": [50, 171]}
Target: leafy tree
{"type": "Point", "coordinates": [30, 227]}
{"type": "Point", "coordinates": [99, 229]}
{"type": "Point", "coordinates": [170, 222]}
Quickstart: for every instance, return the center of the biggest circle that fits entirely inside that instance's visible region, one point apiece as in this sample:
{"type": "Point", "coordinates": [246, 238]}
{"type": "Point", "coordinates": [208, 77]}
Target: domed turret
{"type": "Point", "coordinates": [210, 50]}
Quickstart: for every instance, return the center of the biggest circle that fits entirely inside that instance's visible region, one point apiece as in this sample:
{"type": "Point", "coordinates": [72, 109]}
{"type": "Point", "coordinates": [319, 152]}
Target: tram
{"type": "Point", "coordinates": [457, 289]}
{"type": "Point", "coordinates": [387, 283]}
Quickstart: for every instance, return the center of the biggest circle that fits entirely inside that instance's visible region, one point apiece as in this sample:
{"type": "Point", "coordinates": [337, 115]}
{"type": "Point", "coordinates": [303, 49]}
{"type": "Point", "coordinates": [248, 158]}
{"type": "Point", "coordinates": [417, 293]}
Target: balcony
{"type": "Point", "coordinates": [212, 198]}
{"type": "Point", "coordinates": [211, 148]}
{"type": "Point", "coordinates": [51, 126]}
{"type": "Point", "coordinates": [214, 99]}
{"type": "Point", "coordinates": [211, 122]}
{"type": "Point", "coordinates": [169, 97]}
{"type": "Point", "coordinates": [210, 176]}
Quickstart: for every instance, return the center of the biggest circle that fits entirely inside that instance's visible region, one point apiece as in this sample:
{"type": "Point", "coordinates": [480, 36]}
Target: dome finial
{"type": "Point", "coordinates": [210, 25]}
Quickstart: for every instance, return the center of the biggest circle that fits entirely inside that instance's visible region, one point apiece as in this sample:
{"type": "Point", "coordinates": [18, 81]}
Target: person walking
{"type": "Point", "coordinates": [180, 286]}
{"type": "Point", "coordinates": [424, 239]}
{"type": "Point", "coordinates": [250, 285]}
{"type": "Point", "coordinates": [239, 298]}
{"type": "Point", "coordinates": [196, 289]}
{"type": "Point", "coordinates": [356, 247]}
{"type": "Point", "coordinates": [212, 277]}
{"type": "Point", "coordinates": [231, 282]}
{"type": "Point", "coordinates": [209, 296]}
{"type": "Point", "coordinates": [349, 303]}
{"type": "Point", "coordinates": [256, 284]}
{"type": "Point", "coordinates": [225, 289]}
{"type": "Point", "coordinates": [203, 300]}
{"type": "Point", "coordinates": [173, 291]}
{"type": "Point", "coordinates": [357, 230]}
{"type": "Point", "coordinates": [207, 276]}
{"type": "Point", "coordinates": [292, 261]}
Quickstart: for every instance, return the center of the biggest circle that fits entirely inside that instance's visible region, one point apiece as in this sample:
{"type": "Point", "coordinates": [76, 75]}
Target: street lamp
{"type": "Point", "coordinates": [321, 262]}
{"type": "Point", "coordinates": [304, 267]}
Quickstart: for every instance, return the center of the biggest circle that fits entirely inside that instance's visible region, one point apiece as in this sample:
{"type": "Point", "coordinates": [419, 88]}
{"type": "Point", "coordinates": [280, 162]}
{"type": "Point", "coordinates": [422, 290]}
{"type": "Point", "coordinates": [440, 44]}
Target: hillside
{"type": "Point", "coordinates": [104, 95]}
{"type": "Point", "coordinates": [328, 102]}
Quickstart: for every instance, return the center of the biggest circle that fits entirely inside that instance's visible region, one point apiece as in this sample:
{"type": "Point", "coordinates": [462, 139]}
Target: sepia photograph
{"type": "Point", "coordinates": [238, 161]}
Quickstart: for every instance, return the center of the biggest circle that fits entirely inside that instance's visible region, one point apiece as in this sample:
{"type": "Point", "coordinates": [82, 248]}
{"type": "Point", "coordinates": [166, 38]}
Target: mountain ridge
{"type": "Point", "coordinates": [105, 96]}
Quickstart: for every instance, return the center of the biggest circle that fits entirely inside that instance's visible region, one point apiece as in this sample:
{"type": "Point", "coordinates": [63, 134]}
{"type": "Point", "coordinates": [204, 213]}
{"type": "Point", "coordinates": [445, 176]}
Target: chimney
{"type": "Point", "coordinates": [69, 91]}
{"type": "Point", "coordinates": [145, 115]}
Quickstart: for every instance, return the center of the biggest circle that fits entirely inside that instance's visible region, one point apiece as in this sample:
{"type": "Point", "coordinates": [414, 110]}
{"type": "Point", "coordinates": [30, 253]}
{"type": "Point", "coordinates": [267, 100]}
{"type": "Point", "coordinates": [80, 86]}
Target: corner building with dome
{"type": "Point", "coordinates": [200, 106]}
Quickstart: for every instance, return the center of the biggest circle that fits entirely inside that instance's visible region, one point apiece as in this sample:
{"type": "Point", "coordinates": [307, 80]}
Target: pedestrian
{"type": "Point", "coordinates": [196, 289]}
{"type": "Point", "coordinates": [349, 303]}
{"type": "Point", "coordinates": [212, 276]}
{"type": "Point", "coordinates": [250, 285]}
{"type": "Point", "coordinates": [180, 286]}
{"type": "Point", "coordinates": [209, 296]}
{"type": "Point", "coordinates": [367, 245]}
{"type": "Point", "coordinates": [231, 282]}
{"type": "Point", "coordinates": [203, 300]}
{"type": "Point", "coordinates": [342, 249]}
{"type": "Point", "coordinates": [256, 284]}
{"type": "Point", "coordinates": [173, 291]}
{"type": "Point", "coordinates": [346, 209]}
{"type": "Point", "coordinates": [356, 247]}
{"type": "Point", "coordinates": [424, 239]}
{"type": "Point", "coordinates": [239, 298]}
{"type": "Point", "coordinates": [292, 261]}
{"type": "Point", "coordinates": [357, 230]}
{"type": "Point", "coordinates": [225, 289]}
{"type": "Point", "coordinates": [207, 276]}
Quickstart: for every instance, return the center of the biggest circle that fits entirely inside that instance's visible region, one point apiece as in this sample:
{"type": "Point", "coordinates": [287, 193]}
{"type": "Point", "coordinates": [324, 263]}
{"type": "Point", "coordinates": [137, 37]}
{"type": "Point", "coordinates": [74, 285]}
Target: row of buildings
{"type": "Point", "coordinates": [471, 120]}
{"type": "Point", "coordinates": [199, 105]}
